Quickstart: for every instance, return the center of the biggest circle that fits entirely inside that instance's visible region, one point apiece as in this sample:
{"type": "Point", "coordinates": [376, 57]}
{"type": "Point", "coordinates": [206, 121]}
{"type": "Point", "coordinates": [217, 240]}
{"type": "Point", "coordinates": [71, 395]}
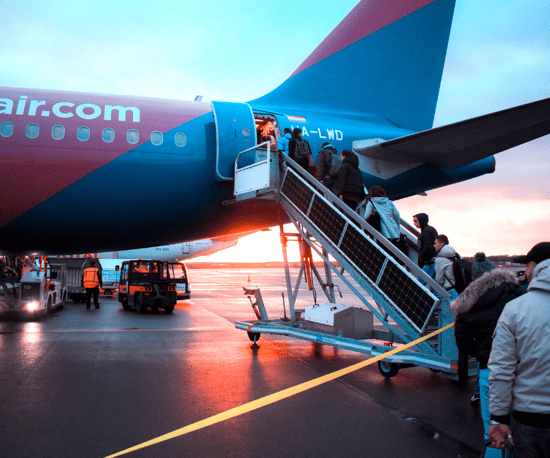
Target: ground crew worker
{"type": "Point", "coordinates": [91, 280]}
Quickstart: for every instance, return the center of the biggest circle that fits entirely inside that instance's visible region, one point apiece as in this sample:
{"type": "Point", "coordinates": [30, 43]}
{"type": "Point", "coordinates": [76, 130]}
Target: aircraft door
{"type": "Point", "coordinates": [185, 248]}
{"type": "Point", "coordinates": [235, 132]}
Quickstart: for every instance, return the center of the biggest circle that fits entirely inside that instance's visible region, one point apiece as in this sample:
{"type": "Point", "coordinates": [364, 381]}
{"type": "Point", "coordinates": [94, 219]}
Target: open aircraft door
{"type": "Point", "coordinates": [235, 132]}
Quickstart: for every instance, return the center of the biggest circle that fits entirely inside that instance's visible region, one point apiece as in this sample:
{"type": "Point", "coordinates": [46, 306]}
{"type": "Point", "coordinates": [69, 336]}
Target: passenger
{"type": "Point", "coordinates": [91, 280]}
{"type": "Point", "coordinates": [350, 180]}
{"type": "Point", "coordinates": [324, 161]}
{"type": "Point", "coordinates": [426, 240]}
{"type": "Point", "coordinates": [298, 149]}
{"type": "Point", "coordinates": [390, 222]}
{"type": "Point", "coordinates": [282, 144]}
{"type": "Point", "coordinates": [444, 274]}
{"type": "Point", "coordinates": [481, 265]}
{"type": "Point", "coordinates": [478, 309]}
{"type": "Point", "coordinates": [271, 140]}
{"type": "Point", "coordinates": [520, 364]}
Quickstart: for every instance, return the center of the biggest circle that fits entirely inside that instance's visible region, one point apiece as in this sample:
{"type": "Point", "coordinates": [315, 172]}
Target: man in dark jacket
{"type": "Point", "coordinates": [91, 280]}
{"type": "Point", "coordinates": [478, 309]}
{"type": "Point", "coordinates": [427, 240]}
{"type": "Point", "coordinates": [350, 180]}
{"type": "Point", "coordinates": [298, 149]}
{"type": "Point", "coordinates": [324, 160]}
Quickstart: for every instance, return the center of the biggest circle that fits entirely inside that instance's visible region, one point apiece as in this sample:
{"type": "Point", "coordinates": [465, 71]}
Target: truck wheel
{"type": "Point", "coordinates": [169, 309]}
{"type": "Point", "coordinates": [124, 300]}
{"type": "Point", "coordinates": [388, 369]}
{"type": "Point", "coordinates": [140, 306]}
{"type": "Point", "coordinates": [49, 306]}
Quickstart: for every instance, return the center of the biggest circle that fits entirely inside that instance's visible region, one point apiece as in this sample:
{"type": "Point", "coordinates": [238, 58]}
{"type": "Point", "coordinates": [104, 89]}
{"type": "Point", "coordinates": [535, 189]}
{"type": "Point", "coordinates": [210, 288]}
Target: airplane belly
{"type": "Point", "coordinates": [140, 198]}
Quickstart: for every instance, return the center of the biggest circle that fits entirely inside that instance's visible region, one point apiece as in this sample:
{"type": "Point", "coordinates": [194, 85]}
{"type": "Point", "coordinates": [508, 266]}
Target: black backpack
{"type": "Point", "coordinates": [462, 271]}
{"type": "Point", "coordinates": [300, 150]}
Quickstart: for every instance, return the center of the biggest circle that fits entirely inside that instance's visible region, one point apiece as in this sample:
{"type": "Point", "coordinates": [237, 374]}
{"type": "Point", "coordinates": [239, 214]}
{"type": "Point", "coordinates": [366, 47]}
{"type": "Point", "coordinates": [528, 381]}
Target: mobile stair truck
{"type": "Point", "coordinates": [398, 308]}
{"type": "Point", "coordinates": [32, 288]}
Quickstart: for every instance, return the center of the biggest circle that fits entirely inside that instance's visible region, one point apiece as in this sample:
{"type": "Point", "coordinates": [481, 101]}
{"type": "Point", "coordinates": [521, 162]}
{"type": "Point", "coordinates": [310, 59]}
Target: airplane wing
{"type": "Point", "coordinates": [464, 142]}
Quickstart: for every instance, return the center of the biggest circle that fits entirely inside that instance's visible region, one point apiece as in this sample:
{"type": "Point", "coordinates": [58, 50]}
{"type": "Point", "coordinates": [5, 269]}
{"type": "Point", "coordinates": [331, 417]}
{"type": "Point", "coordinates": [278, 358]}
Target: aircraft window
{"type": "Point", "coordinates": [33, 130]}
{"type": "Point", "coordinates": [58, 132]}
{"type": "Point", "coordinates": [180, 139]}
{"type": "Point", "coordinates": [108, 135]}
{"type": "Point", "coordinates": [156, 138]}
{"type": "Point", "coordinates": [83, 133]}
{"type": "Point", "coordinates": [6, 130]}
{"type": "Point", "coordinates": [132, 136]}
{"type": "Point", "coordinates": [246, 132]}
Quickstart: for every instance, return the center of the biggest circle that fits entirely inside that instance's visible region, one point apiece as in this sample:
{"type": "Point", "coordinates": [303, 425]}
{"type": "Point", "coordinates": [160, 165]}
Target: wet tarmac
{"type": "Point", "coordinates": [91, 383]}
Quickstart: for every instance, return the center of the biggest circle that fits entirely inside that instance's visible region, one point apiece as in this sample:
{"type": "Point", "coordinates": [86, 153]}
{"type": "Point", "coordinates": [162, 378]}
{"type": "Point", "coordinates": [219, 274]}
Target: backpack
{"type": "Point", "coordinates": [462, 271]}
{"type": "Point", "coordinates": [374, 219]}
{"type": "Point", "coordinates": [300, 150]}
{"type": "Point", "coordinates": [335, 162]}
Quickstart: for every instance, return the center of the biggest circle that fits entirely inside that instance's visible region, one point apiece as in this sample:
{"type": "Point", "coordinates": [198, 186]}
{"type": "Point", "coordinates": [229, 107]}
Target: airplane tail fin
{"type": "Point", "coordinates": [384, 59]}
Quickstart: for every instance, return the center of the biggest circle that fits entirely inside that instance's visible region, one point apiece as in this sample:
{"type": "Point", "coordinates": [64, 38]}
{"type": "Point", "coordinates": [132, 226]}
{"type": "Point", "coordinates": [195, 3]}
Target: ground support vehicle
{"type": "Point", "coordinates": [147, 283]}
{"type": "Point", "coordinates": [110, 281]}
{"type": "Point", "coordinates": [36, 289]}
{"type": "Point", "coordinates": [182, 280]}
{"type": "Point", "coordinates": [401, 306]}
{"type": "Point", "coordinates": [74, 269]}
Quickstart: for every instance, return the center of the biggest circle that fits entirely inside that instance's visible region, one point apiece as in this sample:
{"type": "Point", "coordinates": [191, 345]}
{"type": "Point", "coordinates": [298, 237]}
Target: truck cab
{"type": "Point", "coordinates": [148, 284]}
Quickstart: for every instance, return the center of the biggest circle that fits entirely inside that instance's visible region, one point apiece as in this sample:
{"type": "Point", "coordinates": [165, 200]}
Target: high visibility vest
{"type": "Point", "coordinates": [91, 277]}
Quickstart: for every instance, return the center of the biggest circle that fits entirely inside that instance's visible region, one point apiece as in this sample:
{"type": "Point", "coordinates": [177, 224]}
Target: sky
{"type": "Point", "coordinates": [498, 57]}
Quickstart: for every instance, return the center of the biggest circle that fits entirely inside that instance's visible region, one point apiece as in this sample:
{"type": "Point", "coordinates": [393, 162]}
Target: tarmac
{"type": "Point", "coordinates": [93, 383]}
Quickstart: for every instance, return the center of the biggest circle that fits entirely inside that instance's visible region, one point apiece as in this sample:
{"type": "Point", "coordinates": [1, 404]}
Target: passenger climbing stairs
{"type": "Point", "coordinates": [405, 303]}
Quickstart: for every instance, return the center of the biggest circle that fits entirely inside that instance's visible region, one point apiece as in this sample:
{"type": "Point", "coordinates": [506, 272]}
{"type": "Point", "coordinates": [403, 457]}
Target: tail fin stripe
{"type": "Point", "coordinates": [352, 28]}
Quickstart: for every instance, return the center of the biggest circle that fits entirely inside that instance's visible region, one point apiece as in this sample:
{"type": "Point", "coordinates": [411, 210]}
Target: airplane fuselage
{"type": "Point", "coordinates": [150, 171]}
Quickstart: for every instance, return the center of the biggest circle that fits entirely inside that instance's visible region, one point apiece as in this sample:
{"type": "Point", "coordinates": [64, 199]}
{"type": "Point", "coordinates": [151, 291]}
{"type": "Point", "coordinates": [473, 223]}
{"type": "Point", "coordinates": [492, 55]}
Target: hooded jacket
{"type": "Point", "coordinates": [324, 159]}
{"type": "Point", "coordinates": [350, 179]}
{"type": "Point", "coordinates": [427, 239]}
{"type": "Point", "coordinates": [478, 309]}
{"type": "Point", "coordinates": [520, 357]}
{"type": "Point", "coordinates": [389, 215]}
{"type": "Point", "coordinates": [444, 274]}
{"type": "Point", "coordinates": [282, 143]}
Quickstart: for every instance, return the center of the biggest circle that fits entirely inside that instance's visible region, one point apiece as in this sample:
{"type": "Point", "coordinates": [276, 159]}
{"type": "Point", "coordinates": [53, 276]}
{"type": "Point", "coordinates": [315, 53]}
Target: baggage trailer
{"type": "Point", "coordinates": [36, 290]}
{"type": "Point", "coordinates": [74, 270]}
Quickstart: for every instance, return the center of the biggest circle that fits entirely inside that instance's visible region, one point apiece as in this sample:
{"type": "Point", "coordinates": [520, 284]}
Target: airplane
{"type": "Point", "coordinates": [94, 172]}
{"type": "Point", "coordinates": [174, 252]}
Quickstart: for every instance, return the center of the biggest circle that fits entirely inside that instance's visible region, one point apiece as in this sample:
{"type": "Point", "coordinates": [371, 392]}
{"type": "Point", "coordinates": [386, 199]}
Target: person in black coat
{"type": "Point", "coordinates": [427, 240]}
{"type": "Point", "coordinates": [478, 309]}
{"type": "Point", "coordinates": [350, 186]}
{"type": "Point", "coordinates": [298, 149]}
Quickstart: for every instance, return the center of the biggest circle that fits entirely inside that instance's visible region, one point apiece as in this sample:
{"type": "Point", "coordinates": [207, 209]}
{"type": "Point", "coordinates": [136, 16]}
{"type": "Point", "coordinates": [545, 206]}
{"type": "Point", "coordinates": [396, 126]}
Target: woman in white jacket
{"type": "Point", "coordinates": [390, 221]}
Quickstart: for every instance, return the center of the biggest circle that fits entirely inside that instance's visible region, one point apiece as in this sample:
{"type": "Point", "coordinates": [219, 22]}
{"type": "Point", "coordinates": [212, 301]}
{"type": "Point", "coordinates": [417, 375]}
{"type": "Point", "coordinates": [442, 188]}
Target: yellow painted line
{"type": "Point", "coordinates": [275, 397]}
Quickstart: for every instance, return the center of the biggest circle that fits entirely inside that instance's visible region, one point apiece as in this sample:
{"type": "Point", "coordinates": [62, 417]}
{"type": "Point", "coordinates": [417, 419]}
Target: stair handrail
{"type": "Point", "coordinates": [381, 240]}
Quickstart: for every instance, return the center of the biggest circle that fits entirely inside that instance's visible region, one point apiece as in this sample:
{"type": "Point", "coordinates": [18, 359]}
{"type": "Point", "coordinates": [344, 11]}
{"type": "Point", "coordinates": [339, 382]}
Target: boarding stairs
{"type": "Point", "coordinates": [385, 280]}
